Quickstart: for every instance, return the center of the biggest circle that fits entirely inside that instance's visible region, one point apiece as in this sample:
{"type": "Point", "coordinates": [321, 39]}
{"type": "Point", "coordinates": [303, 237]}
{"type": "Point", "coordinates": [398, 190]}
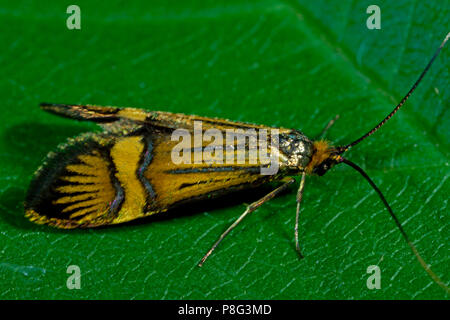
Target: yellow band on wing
{"type": "Point", "coordinates": [126, 155]}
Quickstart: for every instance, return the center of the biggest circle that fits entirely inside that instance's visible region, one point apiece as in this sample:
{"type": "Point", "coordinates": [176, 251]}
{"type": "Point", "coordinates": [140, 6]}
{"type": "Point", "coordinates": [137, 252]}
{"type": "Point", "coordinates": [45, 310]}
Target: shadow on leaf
{"type": "Point", "coordinates": [27, 144]}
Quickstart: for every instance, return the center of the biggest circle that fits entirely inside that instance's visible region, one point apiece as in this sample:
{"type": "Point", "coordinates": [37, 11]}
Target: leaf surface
{"type": "Point", "coordinates": [284, 63]}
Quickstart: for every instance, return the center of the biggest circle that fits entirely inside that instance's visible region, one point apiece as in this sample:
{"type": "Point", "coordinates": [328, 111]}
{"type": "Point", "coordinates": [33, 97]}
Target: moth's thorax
{"type": "Point", "coordinates": [296, 150]}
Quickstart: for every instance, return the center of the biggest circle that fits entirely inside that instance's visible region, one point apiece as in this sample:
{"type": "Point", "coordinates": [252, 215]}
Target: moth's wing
{"type": "Point", "coordinates": [76, 186]}
{"type": "Point", "coordinates": [111, 119]}
{"type": "Point", "coordinates": [93, 180]}
{"type": "Point", "coordinates": [175, 183]}
{"type": "Point", "coordinates": [103, 178]}
{"type": "Point", "coordinates": [127, 171]}
{"type": "Point", "coordinates": [79, 112]}
{"type": "Point", "coordinates": [114, 119]}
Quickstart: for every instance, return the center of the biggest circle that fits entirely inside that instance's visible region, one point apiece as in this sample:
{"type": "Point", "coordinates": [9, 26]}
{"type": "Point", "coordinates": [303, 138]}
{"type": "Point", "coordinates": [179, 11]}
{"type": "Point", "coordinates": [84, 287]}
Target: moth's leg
{"type": "Point", "coordinates": [297, 214]}
{"type": "Point", "coordinates": [328, 126]}
{"type": "Point", "coordinates": [252, 207]}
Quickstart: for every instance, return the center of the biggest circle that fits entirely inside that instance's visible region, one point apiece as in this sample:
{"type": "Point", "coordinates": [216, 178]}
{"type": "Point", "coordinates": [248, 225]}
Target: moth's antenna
{"type": "Point", "coordinates": [345, 148]}
{"type": "Point", "coordinates": [397, 222]}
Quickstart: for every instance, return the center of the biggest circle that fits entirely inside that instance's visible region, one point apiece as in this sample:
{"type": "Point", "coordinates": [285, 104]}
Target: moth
{"type": "Point", "coordinates": [127, 171]}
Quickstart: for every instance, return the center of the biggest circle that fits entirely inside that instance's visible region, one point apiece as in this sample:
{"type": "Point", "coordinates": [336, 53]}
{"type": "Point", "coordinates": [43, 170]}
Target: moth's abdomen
{"type": "Point", "coordinates": [92, 180]}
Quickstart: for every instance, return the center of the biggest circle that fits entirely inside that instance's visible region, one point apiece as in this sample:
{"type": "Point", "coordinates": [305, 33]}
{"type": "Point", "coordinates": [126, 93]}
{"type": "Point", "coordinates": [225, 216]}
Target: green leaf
{"type": "Point", "coordinates": [291, 64]}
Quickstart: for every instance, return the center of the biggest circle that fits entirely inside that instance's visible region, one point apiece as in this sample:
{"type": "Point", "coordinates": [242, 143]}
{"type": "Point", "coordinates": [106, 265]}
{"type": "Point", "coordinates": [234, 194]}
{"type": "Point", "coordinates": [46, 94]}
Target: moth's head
{"type": "Point", "coordinates": [323, 159]}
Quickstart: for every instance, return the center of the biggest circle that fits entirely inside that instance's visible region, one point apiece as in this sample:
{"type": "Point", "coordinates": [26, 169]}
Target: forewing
{"type": "Point", "coordinates": [111, 118]}
{"type": "Point", "coordinates": [105, 178]}
{"type": "Point", "coordinates": [75, 186]}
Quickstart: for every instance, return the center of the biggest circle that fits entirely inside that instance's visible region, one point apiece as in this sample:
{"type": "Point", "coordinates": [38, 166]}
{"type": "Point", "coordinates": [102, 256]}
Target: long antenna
{"type": "Point", "coordinates": [397, 222]}
{"type": "Point", "coordinates": [378, 126]}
